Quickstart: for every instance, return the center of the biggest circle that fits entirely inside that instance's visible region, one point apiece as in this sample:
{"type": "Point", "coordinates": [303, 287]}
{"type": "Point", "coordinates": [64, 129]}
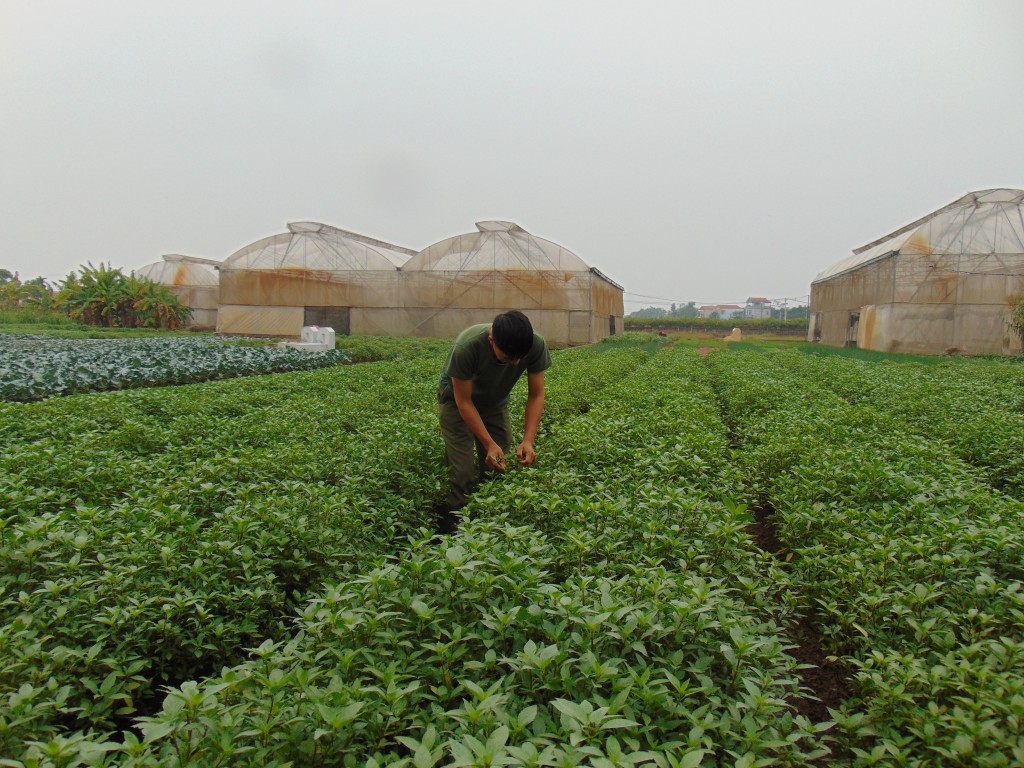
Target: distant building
{"type": "Point", "coordinates": [758, 308]}
{"type": "Point", "coordinates": [722, 311]}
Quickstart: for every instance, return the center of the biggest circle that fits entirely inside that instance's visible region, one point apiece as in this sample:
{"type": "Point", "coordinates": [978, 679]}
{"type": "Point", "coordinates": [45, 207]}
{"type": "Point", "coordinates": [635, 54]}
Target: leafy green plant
{"type": "Point", "coordinates": [907, 553]}
{"type": "Point", "coordinates": [244, 571]}
{"type": "Point", "coordinates": [106, 296]}
{"type": "Point", "coordinates": [38, 367]}
{"type": "Point", "coordinates": [1016, 319]}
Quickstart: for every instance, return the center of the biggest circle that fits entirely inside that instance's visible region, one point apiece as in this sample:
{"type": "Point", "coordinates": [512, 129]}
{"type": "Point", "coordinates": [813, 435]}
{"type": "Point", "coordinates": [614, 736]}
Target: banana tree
{"type": "Point", "coordinates": [106, 296]}
{"type": "Point", "coordinates": [157, 306]}
{"type": "Point", "coordinates": [15, 294]}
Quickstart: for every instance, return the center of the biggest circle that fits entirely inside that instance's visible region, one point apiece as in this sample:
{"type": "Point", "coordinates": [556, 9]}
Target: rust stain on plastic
{"type": "Point", "coordinates": [867, 322]}
{"type": "Point", "coordinates": [949, 281]}
{"type": "Point", "coordinates": [918, 244]}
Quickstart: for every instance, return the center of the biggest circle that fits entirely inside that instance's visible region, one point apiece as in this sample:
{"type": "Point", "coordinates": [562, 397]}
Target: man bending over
{"type": "Point", "coordinates": [484, 364]}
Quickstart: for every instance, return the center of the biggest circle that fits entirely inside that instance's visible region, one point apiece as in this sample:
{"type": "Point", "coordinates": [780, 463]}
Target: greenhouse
{"type": "Point", "coordinates": [313, 274]}
{"type": "Point", "coordinates": [194, 281]}
{"type": "Point", "coordinates": [468, 278]}
{"type": "Point", "coordinates": [944, 283]}
{"type": "Point", "coordinates": [320, 275]}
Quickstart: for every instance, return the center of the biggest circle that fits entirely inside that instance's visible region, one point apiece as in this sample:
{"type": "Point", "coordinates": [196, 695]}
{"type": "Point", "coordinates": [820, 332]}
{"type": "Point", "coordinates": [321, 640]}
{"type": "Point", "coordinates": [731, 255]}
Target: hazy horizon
{"type": "Point", "coordinates": [690, 152]}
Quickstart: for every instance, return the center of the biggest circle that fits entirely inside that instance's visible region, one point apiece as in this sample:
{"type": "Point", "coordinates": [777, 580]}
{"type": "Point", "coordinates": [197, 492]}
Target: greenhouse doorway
{"type": "Point", "coordinates": [329, 317]}
{"type": "Point", "coordinates": [851, 329]}
{"type": "Point", "coordinates": [815, 333]}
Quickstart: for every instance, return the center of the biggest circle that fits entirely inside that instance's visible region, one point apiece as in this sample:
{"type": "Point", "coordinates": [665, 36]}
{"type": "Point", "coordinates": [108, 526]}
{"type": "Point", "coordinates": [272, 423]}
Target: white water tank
{"type": "Point", "coordinates": [313, 338]}
{"type": "Point", "coordinates": [314, 334]}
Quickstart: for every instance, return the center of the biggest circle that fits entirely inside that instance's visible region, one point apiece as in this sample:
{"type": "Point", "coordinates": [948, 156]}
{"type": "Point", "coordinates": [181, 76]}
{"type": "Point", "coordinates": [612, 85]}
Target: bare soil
{"type": "Point", "coordinates": [827, 679]}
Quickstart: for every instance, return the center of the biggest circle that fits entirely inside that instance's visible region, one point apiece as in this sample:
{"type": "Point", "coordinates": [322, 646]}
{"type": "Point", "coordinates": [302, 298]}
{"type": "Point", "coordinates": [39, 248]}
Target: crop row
{"type": "Point", "coordinates": [37, 367]}
{"type": "Point", "coordinates": [150, 536]}
{"type": "Point", "coordinates": [977, 410]}
{"type": "Point", "coordinates": [165, 566]}
{"type": "Point", "coordinates": [605, 607]}
{"type": "Point", "coordinates": [913, 562]}
{"type": "Point", "coordinates": [602, 608]}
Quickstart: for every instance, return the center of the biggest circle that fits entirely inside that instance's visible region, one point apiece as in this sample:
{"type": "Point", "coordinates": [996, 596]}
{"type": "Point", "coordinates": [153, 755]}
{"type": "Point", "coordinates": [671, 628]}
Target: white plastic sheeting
{"type": "Point", "coordinates": [497, 245]}
{"type": "Point", "coordinates": [310, 245]}
{"type": "Point", "coordinates": [176, 269]}
{"type": "Point", "coordinates": [985, 222]}
{"type": "Point", "coordinates": [316, 274]}
{"type": "Point", "coordinates": [195, 281]}
{"type": "Point", "coordinates": [940, 284]}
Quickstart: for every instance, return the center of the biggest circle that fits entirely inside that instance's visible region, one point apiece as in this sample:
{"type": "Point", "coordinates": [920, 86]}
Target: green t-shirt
{"type": "Point", "coordinates": [472, 358]}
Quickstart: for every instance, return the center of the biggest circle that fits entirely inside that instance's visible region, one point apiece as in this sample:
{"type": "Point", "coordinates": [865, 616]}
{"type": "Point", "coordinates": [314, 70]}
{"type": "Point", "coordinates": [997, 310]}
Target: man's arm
{"type": "Point", "coordinates": [534, 408]}
{"type": "Point", "coordinates": [463, 391]}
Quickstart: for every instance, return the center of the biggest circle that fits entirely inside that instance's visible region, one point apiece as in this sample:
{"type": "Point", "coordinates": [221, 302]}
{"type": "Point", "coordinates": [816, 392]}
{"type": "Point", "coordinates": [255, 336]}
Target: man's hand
{"type": "Point", "coordinates": [495, 458]}
{"type": "Point", "coordinates": [525, 453]}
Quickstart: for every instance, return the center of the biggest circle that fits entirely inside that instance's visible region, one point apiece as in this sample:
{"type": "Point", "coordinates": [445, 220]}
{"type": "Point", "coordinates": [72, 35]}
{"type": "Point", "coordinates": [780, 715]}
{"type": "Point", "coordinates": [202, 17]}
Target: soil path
{"type": "Point", "coordinates": [827, 678]}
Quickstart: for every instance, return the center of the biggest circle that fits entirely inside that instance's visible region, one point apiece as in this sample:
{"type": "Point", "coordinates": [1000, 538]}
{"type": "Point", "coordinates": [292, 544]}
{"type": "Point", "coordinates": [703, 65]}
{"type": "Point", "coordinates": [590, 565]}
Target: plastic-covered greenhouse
{"type": "Point", "coordinates": [943, 283]}
{"type": "Point", "coordinates": [194, 281]}
{"type": "Point", "coordinates": [468, 278]}
{"type": "Point", "coordinates": [320, 275]}
{"type": "Point", "coordinates": [313, 274]}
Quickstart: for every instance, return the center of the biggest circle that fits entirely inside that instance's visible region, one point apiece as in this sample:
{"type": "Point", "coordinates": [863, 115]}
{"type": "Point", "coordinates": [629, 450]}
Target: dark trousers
{"type": "Point", "coordinates": [466, 470]}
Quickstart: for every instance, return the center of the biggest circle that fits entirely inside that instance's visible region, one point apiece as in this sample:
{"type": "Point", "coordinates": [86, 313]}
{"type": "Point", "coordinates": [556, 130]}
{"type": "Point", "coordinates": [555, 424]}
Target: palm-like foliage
{"type": "Point", "coordinates": [91, 297]}
{"type": "Point", "coordinates": [157, 306]}
{"type": "Point", "coordinates": [10, 294]}
{"type": "Point", "coordinates": [106, 296]}
{"type": "Point", "coordinates": [1017, 319]}
{"type": "Point", "coordinates": [36, 292]}
{"type": "Point", "coordinates": [15, 294]}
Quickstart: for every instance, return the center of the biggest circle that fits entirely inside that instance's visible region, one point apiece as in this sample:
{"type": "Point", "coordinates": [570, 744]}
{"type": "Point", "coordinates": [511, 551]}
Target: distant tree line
{"type": "Point", "coordinates": [788, 327]}
{"type": "Point", "coordinates": [685, 310]}
{"type": "Point", "coordinates": [100, 296]}
{"type": "Point", "coordinates": [690, 310]}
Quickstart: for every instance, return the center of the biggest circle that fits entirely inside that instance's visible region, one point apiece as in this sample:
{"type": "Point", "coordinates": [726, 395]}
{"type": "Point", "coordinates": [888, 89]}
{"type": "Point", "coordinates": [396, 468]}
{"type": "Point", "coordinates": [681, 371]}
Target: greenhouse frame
{"type": "Point", "coordinates": [194, 281]}
{"type": "Point", "coordinates": [945, 283]}
{"type": "Point", "coordinates": [316, 274]}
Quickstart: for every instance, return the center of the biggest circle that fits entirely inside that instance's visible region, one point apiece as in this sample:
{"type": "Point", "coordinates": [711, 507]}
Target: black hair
{"type": "Point", "coordinates": [512, 333]}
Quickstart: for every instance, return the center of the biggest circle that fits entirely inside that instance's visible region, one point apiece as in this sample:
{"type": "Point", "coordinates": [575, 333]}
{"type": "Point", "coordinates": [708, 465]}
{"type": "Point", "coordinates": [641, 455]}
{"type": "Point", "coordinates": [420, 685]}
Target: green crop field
{"type": "Point", "coordinates": [243, 571]}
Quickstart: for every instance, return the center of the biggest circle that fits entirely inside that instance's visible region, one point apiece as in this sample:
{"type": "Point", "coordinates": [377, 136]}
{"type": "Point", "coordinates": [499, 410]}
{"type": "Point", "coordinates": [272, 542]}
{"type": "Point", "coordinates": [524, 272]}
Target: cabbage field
{"type": "Point", "coordinates": [37, 367]}
{"type": "Point", "coordinates": [747, 556]}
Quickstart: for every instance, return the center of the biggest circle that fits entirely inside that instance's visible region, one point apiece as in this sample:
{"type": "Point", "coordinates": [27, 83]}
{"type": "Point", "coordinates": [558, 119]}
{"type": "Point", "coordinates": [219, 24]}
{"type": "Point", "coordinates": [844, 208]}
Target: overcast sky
{"type": "Point", "coordinates": [705, 151]}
